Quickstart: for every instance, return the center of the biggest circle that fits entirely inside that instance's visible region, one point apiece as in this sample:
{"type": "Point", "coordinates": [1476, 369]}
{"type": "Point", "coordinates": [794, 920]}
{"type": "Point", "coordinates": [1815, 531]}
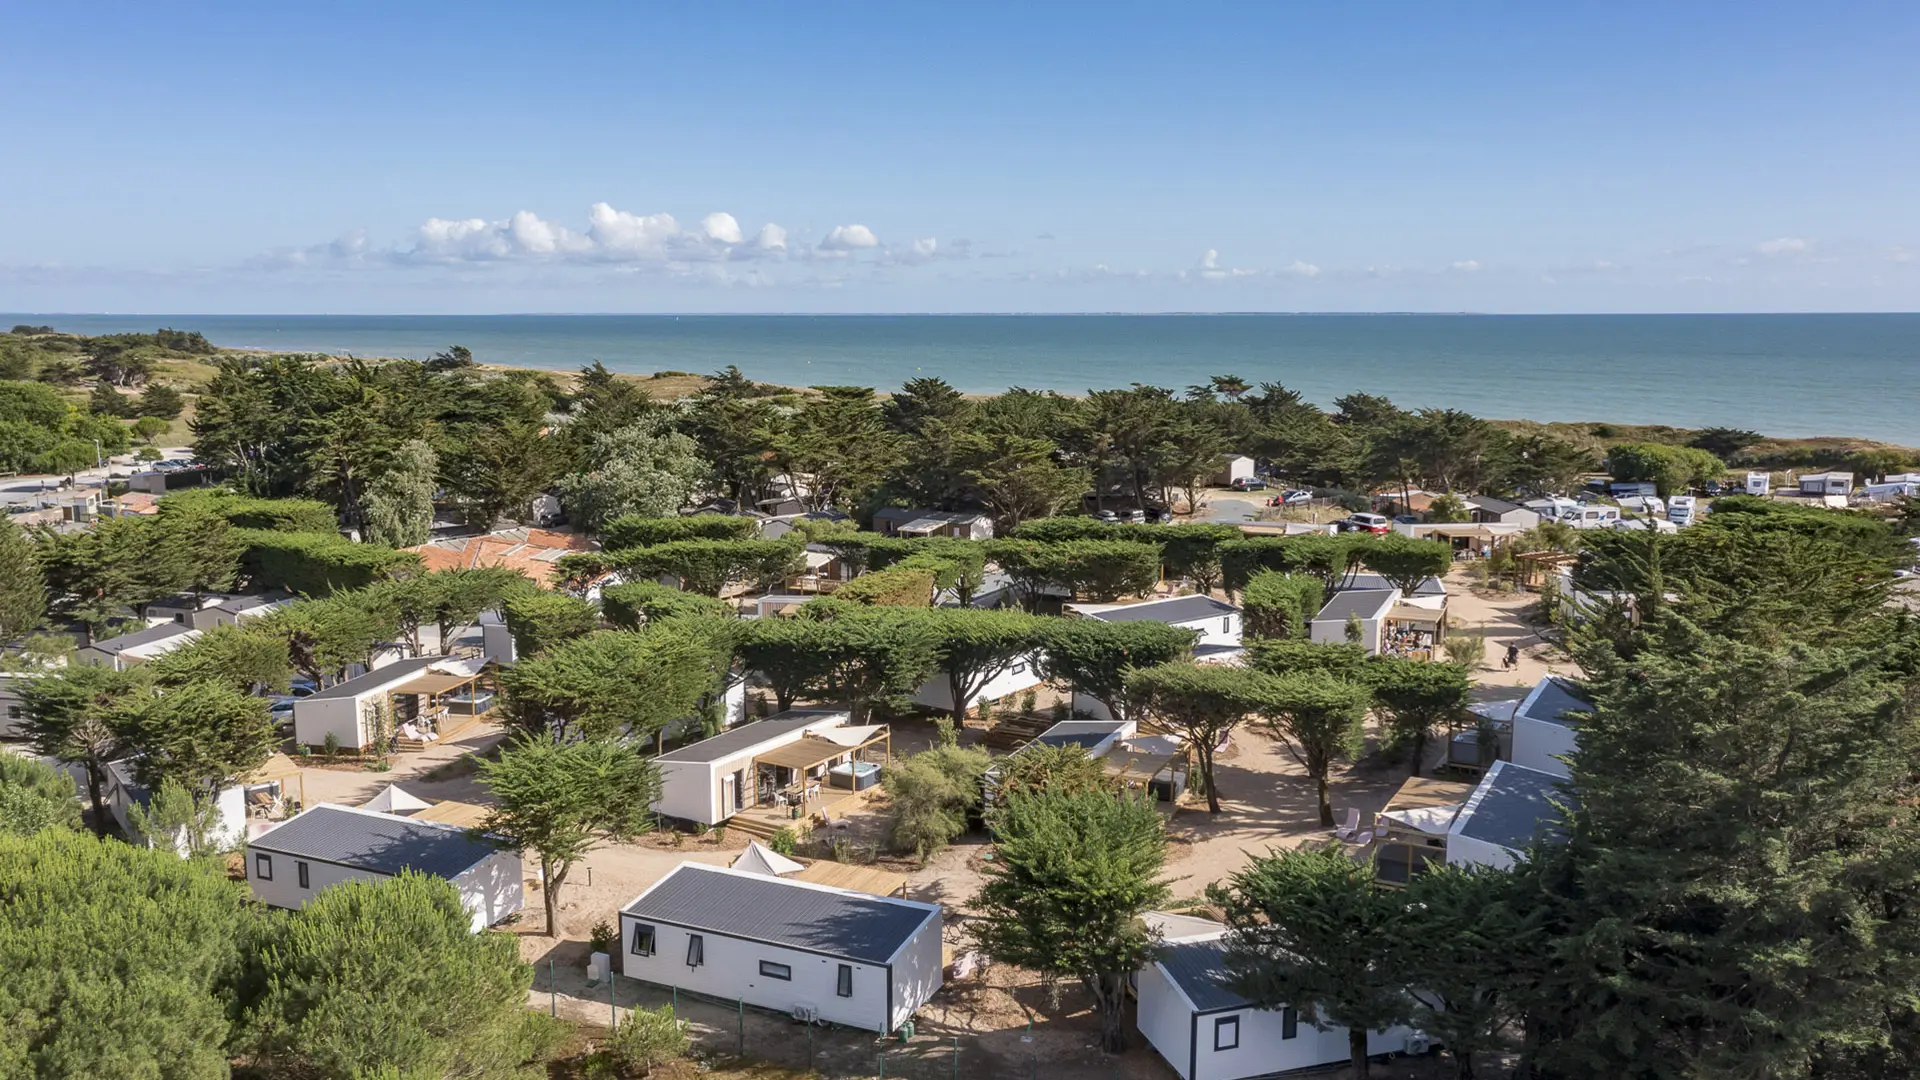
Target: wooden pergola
{"type": "Point", "coordinates": [810, 752]}
{"type": "Point", "coordinates": [277, 770]}
{"type": "Point", "coordinates": [1404, 625]}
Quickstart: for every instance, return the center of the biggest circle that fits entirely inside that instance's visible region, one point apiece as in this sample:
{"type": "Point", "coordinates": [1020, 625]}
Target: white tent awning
{"type": "Point", "coordinates": [1432, 820]}
{"type": "Point", "coordinates": [851, 736]}
{"type": "Point", "coordinates": [763, 860]}
{"type": "Point", "coordinates": [393, 799]}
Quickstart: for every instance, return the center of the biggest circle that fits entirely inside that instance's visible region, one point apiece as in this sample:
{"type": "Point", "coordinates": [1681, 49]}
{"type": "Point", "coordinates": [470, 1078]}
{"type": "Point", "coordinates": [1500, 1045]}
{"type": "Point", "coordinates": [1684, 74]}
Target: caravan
{"type": "Point", "coordinates": [1682, 510]}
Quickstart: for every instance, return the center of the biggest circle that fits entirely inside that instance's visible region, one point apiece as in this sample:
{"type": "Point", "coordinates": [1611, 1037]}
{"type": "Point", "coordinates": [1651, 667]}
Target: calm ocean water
{"type": "Point", "coordinates": [1792, 375]}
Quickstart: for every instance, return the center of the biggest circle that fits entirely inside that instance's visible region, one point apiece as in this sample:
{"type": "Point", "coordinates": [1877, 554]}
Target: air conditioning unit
{"type": "Point", "coordinates": [805, 1014]}
{"type": "Point", "coordinates": [1418, 1043]}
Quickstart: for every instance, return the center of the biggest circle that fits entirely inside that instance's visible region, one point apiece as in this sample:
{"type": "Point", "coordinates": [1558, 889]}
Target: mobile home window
{"type": "Point", "coordinates": [301, 868]}
{"type": "Point", "coordinates": [845, 986]}
{"type": "Point", "coordinates": [263, 867]}
{"type": "Point", "coordinates": [776, 971]}
{"type": "Point", "coordinates": [1289, 1023]}
{"type": "Point", "coordinates": [696, 950]}
{"type": "Point", "coordinates": [1226, 1033]}
{"type": "Point", "coordinates": [642, 940]}
{"type": "Point", "coordinates": [1226, 625]}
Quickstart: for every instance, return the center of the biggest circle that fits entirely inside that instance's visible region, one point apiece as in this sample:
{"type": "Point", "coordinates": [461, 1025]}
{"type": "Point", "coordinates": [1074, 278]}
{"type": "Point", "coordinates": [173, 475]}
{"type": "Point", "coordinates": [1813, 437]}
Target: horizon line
{"type": "Point", "coordinates": [926, 314]}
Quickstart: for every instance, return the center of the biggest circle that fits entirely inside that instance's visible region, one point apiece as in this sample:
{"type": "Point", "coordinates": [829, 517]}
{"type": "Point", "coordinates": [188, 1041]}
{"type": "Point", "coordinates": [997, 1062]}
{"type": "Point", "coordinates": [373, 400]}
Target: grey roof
{"type": "Point", "coordinates": [832, 921]}
{"type": "Point", "coordinates": [1432, 586]}
{"type": "Point", "coordinates": [1493, 505]}
{"type": "Point", "coordinates": [1200, 969]}
{"type": "Point", "coordinates": [1084, 733]}
{"type": "Point", "coordinates": [1365, 603]}
{"type": "Point", "coordinates": [140, 637]}
{"type": "Point", "coordinates": [380, 843]}
{"type": "Point", "coordinates": [379, 676]}
{"type": "Point", "coordinates": [747, 736]}
{"type": "Point", "coordinates": [249, 601]}
{"type": "Point", "coordinates": [1511, 805]}
{"type": "Point", "coordinates": [1178, 609]}
{"type": "Point", "coordinates": [1552, 701]}
{"type": "Point", "coordinates": [908, 513]}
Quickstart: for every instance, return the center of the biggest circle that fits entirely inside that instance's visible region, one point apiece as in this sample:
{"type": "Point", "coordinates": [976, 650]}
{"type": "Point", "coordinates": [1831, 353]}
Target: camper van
{"type": "Point", "coordinates": [1681, 510]}
{"type": "Point", "coordinates": [1759, 483]}
{"type": "Point", "coordinates": [1578, 515]}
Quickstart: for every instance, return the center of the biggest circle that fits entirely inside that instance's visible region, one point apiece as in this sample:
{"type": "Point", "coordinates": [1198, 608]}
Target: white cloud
{"type": "Point", "coordinates": [1466, 266]}
{"type": "Point", "coordinates": [1299, 269]}
{"type": "Point", "coordinates": [1209, 269]}
{"type": "Point", "coordinates": [618, 234]}
{"type": "Point", "coordinates": [925, 248]}
{"type": "Point", "coordinates": [1785, 245]}
{"type": "Point", "coordinates": [849, 238]}
{"type": "Point", "coordinates": [772, 238]}
{"type": "Point", "coordinates": [721, 227]}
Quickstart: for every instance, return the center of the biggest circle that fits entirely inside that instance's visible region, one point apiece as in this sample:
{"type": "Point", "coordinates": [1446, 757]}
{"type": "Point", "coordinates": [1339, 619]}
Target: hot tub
{"type": "Point", "coordinates": [857, 776]}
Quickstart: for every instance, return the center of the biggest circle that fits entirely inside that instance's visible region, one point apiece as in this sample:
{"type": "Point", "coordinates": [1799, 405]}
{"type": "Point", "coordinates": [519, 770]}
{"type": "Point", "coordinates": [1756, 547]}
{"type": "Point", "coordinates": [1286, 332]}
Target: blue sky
{"type": "Point", "coordinates": [960, 157]}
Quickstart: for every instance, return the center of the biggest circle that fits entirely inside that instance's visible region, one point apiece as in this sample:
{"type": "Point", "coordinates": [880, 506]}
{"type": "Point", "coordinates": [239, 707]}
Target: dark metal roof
{"type": "Point", "coordinates": [1082, 733]}
{"type": "Point", "coordinates": [1432, 586]}
{"type": "Point", "coordinates": [1493, 505]}
{"type": "Point", "coordinates": [1365, 603]}
{"type": "Point", "coordinates": [141, 637]}
{"type": "Point", "coordinates": [746, 736]}
{"type": "Point", "coordinates": [1511, 805]}
{"type": "Point", "coordinates": [1200, 969]}
{"type": "Point", "coordinates": [794, 914]}
{"type": "Point", "coordinates": [381, 843]}
{"type": "Point", "coordinates": [1553, 701]}
{"type": "Point", "coordinates": [378, 677]}
{"type": "Point", "coordinates": [908, 514]}
{"type": "Point", "coordinates": [1178, 609]}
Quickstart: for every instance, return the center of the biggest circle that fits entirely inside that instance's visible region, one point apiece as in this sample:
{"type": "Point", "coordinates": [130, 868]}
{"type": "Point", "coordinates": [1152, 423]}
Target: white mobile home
{"type": "Point", "coordinates": [1216, 621]}
{"type": "Point", "coordinates": [816, 952]}
{"type": "Point", "coordinates": [1827, 483]}
{"type": "Point", "coordinates": [1486, 510]}
{"type": "Point", "coordinates": [123, 791]}
{"type": "Point", "coordinates": [1231, 467]}
{"type": "Point", "coordinates": [419, 690]}
{"type": "Point", "coordinates": [1510, 806]}
{"type": "Point", "coordinates": [211, 610]}
{"type": "Point", "coordinates": [1546, 725]}
{"type": "Point", "coordinates": [291, 862]}
{"type": "Point", "coordinates": [1369, 606]}
{"type": "Point", "coordinates": [1208, 1032]}
{"type": "Point", "coordinates": [127, 650]}
{"type": "Point", "coordinates": [905, 521]}
{"type": "Point", "coordinates": [1022, 674]}
{"type": "Point", "coordinates": [710, 781]}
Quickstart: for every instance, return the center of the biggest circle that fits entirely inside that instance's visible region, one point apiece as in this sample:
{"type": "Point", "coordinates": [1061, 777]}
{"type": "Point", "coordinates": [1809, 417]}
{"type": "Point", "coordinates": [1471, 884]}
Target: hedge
{"type": "Point", "coordinates": [634, 530]}
{"type": "Point", "coordinates": [250, 512]}
{"type": "Point", "coordinates": [898, 586]}
{"type": "Point", "coordinates": [637, 603]}
{"type": "Point", "coordinates": [1280, 605]}
{"type": "Point", "coordinates": [316, 564]}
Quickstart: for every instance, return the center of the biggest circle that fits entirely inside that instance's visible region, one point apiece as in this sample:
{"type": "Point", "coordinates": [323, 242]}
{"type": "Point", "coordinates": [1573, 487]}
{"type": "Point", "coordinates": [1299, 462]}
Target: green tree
{"type": "Point", "coordinates": [609, 684]}
{"type": "Point", "coordinates": [499, 469]}
{"type": "Point", "coordinates": [326, 636]}
{"type": "Point", "coordinates": [931, 797]}
{"type": "Point", "coordinates": [636, 530]}
{"type": "Point", "coordinates": [874, 656]}
{"type": "Point", "coordinates": [1320, 719]}
{"type": "Point", "coordinates": [1059, 770]}
{"type": "Point", "coordinates": [117, 959]}
{"type": "Point", "coordinates": [1415, 696]}
{"type": "Point", "coordinates": [645, 469]}
{"type": "Point", "coordinates": [734, 422]}
{"type": "Point", "coordinates": [161, 401]}
{"type": "Point", "coordinates": [1309, 931]}
{"type": "Point", "coordinates": [399, 501]}
{"type": "Point", "coordinates": [35, 796]}
{"type": "Point", "coordinates": [174, 821]}
{"type": "Point", "coordinates": [1092, 656]}
{"type": "Point", "coordinates": [642, 603]}
{"type": "Point", "coordinates": [23, 592]}
{"type": "Point", "coordinates": [972, 648]}
{"type": "Point", "coordinates": [1280, 606]}
{"type": "Point", "coordinates": [558, 799]}
{"type": "Point", "coordinates": [839, 443]}
{"type": "Point", "coordinates": [710, 566]}
{"type": "Point", "coordinates": [241, 658]}
{"type": "Point", "coordinates": [76, 715]}
{"type": "Point", "coordinates": [783, 651]}
{"type": "Point", "coordinates": [649, 1038]}
{"type": "Point", "coordinates": [106, 401]}
{"type": "Point", "coordinates": [1402, 560]}
{"type": "Point", "coordinates": [540, 621]}
{"type": "Point", "coordinates": [1671, 468]}
{"type": "Point", "coordinates": [373, 978]}
{"type": "Point", "coordinates": [1462, 941]}
{"type": "Point", "coordinates": [1071, 877]}
{"type": "Point", "coordinates": [149, 428]}
{"type": "Point", "coordinates": [1016, 477]}
{"type": "Point", "coordinates": [204, 736]}
{"type": "Point", "coordinates": [1202, 704]}
{"type": "Point", "coordinates": [1447, 508]}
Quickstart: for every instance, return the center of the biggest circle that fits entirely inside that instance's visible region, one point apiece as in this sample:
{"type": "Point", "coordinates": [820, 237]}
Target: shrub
{"type": "Point", "coordinates": [783, 840]}
{"type": "Point", "coordinates": [934, 793]}
{"type": "Point", "coordinates": [1466, 649]}
{"type": "Point", "coordinates": [1280, 605]}
{"type": "Point", "coordinates": [649, 1038]}
{"type": "Point", "coordinates": [603, 936]}
{"type": "Point", "coordinates": [899, 586]}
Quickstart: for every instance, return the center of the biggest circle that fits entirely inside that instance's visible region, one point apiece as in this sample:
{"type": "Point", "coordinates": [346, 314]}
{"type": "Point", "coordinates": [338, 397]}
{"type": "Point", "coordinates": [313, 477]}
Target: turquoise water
{"type": "Point", "coordinates": [1791, 375]}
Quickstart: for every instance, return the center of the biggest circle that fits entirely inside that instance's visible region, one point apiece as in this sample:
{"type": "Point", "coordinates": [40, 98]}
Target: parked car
{"type": "Point", "coordinates": [1368, 523]}
{"type": "Point", "coordinates": [1296, 497]}
{"type": "Point", "coordinates": [1406, 519]}
{"type": "Point", "coordinates": [1248, 483]}
{"type": "Point", "coordinates": [1136, 517]}
{"type": "Point", "coordinates": [1107, 516]}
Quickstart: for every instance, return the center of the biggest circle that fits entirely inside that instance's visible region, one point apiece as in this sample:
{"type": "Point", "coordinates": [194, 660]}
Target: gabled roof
{"type": "Point", "coordinates": [1366, 603]}
{"type": "Point", "coordinates": [1173, 609]}
{"type": "Point", "coordinates": [1432, 586]}
{"type": "Point", "coordinates": [375, 842]}
{"type": "Point", "coordinates": [1554, 701]}
{"type": "Point", "coordinates": [397, 672]}
{"type": "Point", "coordinates": [1510, 806]}
{"type": "Point", "coordinates": [747, 736]}
{"type": "Point", "coordinates": [116, 645]}
{"type": "Point", "coordinates": [779, 911]}
{"type": "Point", "coordinates": [1493, 505]}
{"type": "Point", "coordinates": [1199, 969]}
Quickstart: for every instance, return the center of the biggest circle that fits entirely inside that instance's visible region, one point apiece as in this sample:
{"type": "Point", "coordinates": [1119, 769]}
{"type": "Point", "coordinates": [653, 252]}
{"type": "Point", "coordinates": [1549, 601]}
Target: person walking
{"type": "Point", "coordinates": [1512, 657]}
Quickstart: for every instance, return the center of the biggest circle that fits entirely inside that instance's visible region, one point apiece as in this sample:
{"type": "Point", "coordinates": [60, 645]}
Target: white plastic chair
{"type": "Point", "coordinates": [1348, 831]}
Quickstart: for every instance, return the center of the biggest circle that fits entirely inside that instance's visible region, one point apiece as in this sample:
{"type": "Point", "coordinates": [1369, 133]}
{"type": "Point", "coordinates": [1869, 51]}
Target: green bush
{"type": "Point", "coordinates": [249, 512]}
{"type": "Point", "coordinates": [636, 603]}
{"type": "Point", "coordinates": [649, 1038]}
{"type": "Point", "coordinates": [783, 840]}
{"type": "Point", "coordinates": [635, 531]}
{"type": "Point", "coordinates": [900, 586]}
{"type": "Point", "coordinates": [1277, 605]}
{"type": "Point", "coordinates": [316, 564]}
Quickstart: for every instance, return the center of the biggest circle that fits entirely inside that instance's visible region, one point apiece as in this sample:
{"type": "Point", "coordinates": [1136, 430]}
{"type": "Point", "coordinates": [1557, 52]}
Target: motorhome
{"type": "Point", "coordinates": [1759, 483]}
{"type": "Point", "coordinates": [1683, 510]}
{"type": "Point", "coordinates": [1576, 514]}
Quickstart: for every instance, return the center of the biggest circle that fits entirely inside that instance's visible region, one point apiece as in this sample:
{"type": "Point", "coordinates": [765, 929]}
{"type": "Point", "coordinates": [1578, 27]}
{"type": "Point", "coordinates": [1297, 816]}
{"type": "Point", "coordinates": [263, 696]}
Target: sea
{"type": "Point", "coordinates": [1783, 375]}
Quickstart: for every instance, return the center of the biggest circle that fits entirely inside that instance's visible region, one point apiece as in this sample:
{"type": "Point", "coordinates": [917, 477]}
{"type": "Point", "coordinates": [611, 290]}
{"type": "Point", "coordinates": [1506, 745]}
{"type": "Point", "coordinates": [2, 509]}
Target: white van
{"type": "Point", "coordinates": [1681, 510]}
